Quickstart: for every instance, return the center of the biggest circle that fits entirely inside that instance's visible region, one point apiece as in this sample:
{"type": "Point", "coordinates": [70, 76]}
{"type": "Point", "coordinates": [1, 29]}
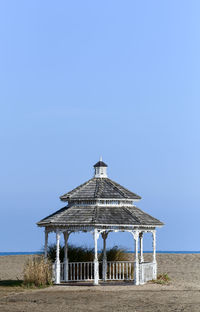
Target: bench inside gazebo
{"type": "Point", "coordinates": [101, 206]}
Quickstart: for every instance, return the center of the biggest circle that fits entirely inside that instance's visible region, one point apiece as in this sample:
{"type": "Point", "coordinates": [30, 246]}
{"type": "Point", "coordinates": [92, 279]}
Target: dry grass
{"type": "Point", "coordinates": [38, 272]}
{"type": "Point", "coordinates": [162, 279]}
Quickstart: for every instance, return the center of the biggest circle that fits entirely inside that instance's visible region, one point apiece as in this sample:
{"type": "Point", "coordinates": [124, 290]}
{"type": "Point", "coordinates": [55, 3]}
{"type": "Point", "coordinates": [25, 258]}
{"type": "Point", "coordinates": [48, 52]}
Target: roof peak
{"type": "Point", "coordinates": [100, 163]}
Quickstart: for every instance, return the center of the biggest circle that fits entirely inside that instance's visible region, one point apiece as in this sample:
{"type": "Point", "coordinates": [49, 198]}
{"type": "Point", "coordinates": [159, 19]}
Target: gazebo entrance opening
{"type": "Point", "coordinates": [136, 270]}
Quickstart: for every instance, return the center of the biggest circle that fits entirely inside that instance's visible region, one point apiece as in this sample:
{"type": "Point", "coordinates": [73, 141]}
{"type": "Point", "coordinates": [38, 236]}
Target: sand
{"type": "Point", "coordinates": [11, 267]}
{"type": "Point", "coordinates": [182, 293]}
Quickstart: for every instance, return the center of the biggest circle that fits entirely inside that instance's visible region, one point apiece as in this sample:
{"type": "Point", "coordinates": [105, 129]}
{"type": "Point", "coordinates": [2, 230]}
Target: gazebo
{"type": "Point", "coordinates": [101, 206]}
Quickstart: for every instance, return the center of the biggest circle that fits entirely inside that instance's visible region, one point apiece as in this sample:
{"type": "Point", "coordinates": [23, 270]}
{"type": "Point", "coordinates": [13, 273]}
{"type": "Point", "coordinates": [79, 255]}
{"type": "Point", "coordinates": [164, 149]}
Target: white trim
{"type": "Point", "coordinates": [106, 226]}
{"type": "Point", "coordinates": [111, 202]}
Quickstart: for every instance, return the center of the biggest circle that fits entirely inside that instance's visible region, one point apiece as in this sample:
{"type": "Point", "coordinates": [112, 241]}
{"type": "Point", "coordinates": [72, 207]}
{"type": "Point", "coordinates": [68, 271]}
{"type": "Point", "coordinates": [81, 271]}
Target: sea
{"type": "Point", "coordinates": [14, 253]}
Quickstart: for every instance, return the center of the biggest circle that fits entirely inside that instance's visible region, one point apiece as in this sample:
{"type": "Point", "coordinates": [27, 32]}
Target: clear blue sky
{"type": "Point", "coordinates": [80, 79]}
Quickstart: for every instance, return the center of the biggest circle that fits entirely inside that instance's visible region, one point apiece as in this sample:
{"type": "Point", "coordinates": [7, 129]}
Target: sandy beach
{"type": "Point", "coordinates": [182, 293]}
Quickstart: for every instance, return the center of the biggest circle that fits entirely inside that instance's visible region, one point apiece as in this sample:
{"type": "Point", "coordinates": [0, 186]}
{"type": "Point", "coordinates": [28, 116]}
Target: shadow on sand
{"type": "Point", "coordinates": [11, 283]}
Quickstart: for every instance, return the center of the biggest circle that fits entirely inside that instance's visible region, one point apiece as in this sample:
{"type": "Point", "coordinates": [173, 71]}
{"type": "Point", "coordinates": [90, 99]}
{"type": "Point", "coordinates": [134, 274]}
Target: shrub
{"type": "Point", "coordinates": [114, 254]}
{"type": "Point", "coordinates": [75, 254]}
{"type": "Point", "coordinates": [162, 278]}
{"type": "Point", "coordinates": [84, 254]}
{"type": "Point", "coordinates": [38, 272]}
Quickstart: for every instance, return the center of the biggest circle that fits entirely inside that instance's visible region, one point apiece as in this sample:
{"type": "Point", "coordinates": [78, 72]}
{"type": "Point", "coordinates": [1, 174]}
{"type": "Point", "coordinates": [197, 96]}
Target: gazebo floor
{"type": "Point", "coordinates": [101, 283]}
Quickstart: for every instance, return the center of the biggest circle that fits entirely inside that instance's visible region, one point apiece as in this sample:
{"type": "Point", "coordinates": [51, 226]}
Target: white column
{"type": "Point", "coordinates": [141, 247]}
{"type": "Point", "coordinates": [136, 267]}
{"type": "Point", "coordinates": [57, 262]}
{"type": "Point", "coordinates": [154, 254]}
{"type": "Point", "coordinates": [104, 236]}
{"type": "Point", "coordinates": [96, 262]}
{"type": "Point", "coordinates": [66, 261]}
{"type": "Point", "coordinates": [154, 245]}
{"type": "Point", "coordinates": [46, 243]}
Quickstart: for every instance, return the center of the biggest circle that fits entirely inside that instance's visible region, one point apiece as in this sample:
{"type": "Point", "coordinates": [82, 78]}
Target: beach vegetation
{"type": "Point", "coordinates": [162, 279]}
{"type": "Point", "coordinates": [114, 254]}
{"type": "Point", "coordinates": [75, 254]}
{"type": "Point", "coordinates": [85, 254]}
{"type": "Point", "coordinates": [38, 272]}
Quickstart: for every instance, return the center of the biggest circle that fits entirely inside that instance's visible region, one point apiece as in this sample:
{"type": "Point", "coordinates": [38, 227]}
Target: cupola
{"type": "Point", "coordinates": [100, 169]}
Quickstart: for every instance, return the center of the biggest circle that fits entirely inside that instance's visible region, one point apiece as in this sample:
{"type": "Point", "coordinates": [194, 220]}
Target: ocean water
{"type": "Point", "coordinates": [13, 253]}
{"type": "Point", "coordinates": [40, 252]}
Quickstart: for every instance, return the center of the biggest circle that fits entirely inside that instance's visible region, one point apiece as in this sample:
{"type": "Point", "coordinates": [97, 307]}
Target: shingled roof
{"type": "Point", "coordinates": [101, 216]}
{"type": "Point", "coordinates": [97, 188]}
{"type": "Point", "coordinates": [100, 202]}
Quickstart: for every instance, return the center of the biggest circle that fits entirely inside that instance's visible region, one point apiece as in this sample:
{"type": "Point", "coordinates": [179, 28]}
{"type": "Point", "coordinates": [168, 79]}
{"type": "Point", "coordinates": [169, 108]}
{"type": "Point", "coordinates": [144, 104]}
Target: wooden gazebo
{"type": "Point", "coordinates": [101, 206]}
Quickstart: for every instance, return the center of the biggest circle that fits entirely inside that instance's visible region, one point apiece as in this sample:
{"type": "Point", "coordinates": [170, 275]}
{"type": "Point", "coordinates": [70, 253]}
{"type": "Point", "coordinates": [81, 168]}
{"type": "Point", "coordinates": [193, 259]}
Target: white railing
{"type": "Point", "coordinates": [147, 271]}
{"type": "Point", "coordinates": [120, 270]}
{"type": "Point", "coordinates": [78, 271]}
{"type": "Point", "coordinates": [84, 271]}
{"type": "Point", "coordinates": [115, 270]}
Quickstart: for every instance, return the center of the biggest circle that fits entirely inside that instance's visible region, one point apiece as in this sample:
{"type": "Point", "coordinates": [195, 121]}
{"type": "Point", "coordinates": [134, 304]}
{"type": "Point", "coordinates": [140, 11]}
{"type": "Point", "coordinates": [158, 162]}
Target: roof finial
{"type": "Point", "coordinates": [100, 158]}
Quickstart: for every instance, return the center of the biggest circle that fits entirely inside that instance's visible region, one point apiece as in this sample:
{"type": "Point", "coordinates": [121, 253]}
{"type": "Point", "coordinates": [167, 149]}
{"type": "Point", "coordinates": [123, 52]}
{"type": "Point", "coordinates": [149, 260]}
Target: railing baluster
{"type": "Point", "coordinates": [70, 271]}
{"type": "Point", "coordinates": [130, 271]}
{"type": "Point", "coordinates": [73, 268]}
{"type": "Point", "coordinates": [120, 270]}
{"type": "Point", "coordinates": [123, 270]}
{"type": "Point", "coordinates": [87, 270]}
{"type": "Point", "coordinates": [77, 271]}
{"type": "Point", "coordinates": [109, 270]}
{"type": "Point", "coordinates": [126, 270]}
{"type": "Point", "coordinates": [81, 278]}
{"type": "Point", "coordinates": [116, 271]}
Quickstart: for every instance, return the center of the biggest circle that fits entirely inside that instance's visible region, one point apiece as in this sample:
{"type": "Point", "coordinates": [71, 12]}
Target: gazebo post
{"type": "Point", "coordinates": [45, 244]}
{"type": "Point", "coordinates": [136, 266]}
{"type": "Point", "coordinates": [66, 261]}
{"type": "Point", "coordinates": [104, 236]}
{"type": "Point", "coordinates": [57, 263]}
{"type": "Point", "coordinates": [96, 262]}
{"type": "Point", "coordinates": [141, 247]}
{"type": "Point", "coordinates": [154, 254]}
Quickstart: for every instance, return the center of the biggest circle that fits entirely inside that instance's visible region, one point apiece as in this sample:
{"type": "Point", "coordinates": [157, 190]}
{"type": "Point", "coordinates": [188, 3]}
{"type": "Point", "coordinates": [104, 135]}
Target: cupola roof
{"type": "Point", "coordinates": [100, 163]}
